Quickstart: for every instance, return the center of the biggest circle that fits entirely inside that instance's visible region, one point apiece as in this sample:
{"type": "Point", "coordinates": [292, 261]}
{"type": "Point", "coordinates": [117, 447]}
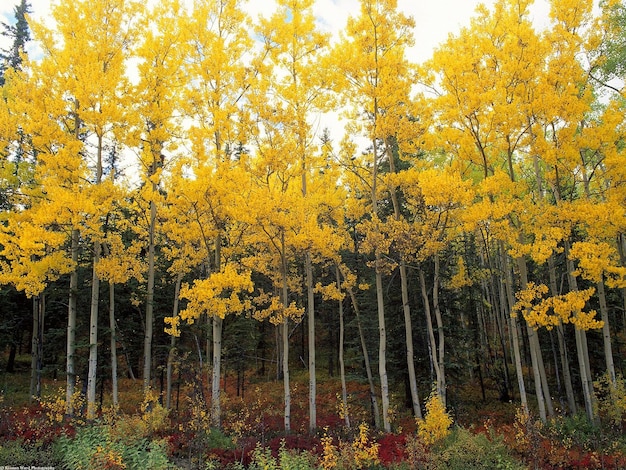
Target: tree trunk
{"type": "Point", "coordinates": [114, 385]}
{"type": "Point", "coordinates": [147, 344]}
{"type": "Point", "coordinates": [93, 336]}
{"type": "Point", "coordinates": [441, 379]}
{"type": "Point", "coordinates": [567, 376]}
{"type": "Point", "coordinates": [312, 350]}
{"type": "Point", "coordinates": [35, 374]}
{"type": "Point", "coordinates": [70, 367]}
{"type": "Point", "coordinates": [217, 326]}
{"type": "Point", "coordinates": [382, 347]}
{"type": "Point", "coordinates": [216, 409]}
{"type": "Point", "coordinates": [535, 351]}
{"type": "Point", "coordinates": [285, 339]}
{"type": "Point", "coordinates": [429, 327]}
{"type": "Point", "coordinates": [408, 332]}
{"type": "Point", "coordinates": [514, 331]}
{"type": "Point", "coordinates": [581, 345]}
{"type": "Point", "coordinates": [404, 287]}
{"type": "Point", "coordinates": [606, 333]}
{"type": "Point", "coordinates": [342, 370]}
{"type": "Point", "coordinates": [366, 360]}
{"type": "Point", "coordinates": [95, 306]}
{"type": "Point", "coordinates": [172, 352]}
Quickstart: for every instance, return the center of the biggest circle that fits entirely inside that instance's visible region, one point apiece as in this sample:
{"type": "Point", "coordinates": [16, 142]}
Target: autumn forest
{"type": "Point", "coordinates": [191, 197]}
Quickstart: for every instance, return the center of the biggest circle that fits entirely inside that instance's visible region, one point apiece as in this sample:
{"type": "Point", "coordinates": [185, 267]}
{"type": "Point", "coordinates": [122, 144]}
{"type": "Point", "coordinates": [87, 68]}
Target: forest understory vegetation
{"type": "Point", "coordinates": [474, 433]}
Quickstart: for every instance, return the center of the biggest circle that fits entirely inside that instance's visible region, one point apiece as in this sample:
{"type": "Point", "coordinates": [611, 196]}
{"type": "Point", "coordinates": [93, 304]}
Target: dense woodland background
{"type": "Point", "coordinates": [174, 203]}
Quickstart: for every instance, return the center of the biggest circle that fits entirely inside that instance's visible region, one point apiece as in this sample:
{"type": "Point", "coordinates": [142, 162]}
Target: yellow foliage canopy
{"type": "Point", "coordinates": [218, 295]}
{"type": "Point", "coordinates": [551, 311]}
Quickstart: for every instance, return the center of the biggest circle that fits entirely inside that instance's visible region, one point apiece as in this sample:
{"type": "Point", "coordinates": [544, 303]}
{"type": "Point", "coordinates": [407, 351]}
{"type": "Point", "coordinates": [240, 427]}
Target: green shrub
{"type": "Point", "coordinates": [97, 447]}
{"type": "Point", "coordinates": [464, 450]}
{"type": "Point", "coordinates": [262, 459]}
{"type": "Point", "coordinates": [20, 454]}
{"type": "Point", "coordinates": [575, 430]}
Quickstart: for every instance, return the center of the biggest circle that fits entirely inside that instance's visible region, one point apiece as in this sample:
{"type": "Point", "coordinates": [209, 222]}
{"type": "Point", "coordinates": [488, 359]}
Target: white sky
{"type": "Point", "coordinates": [434, 19]}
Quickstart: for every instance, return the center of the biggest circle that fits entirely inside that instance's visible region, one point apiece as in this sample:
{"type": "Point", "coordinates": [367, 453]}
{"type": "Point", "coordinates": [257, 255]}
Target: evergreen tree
{"type": "Point", "coordinates": [19, 34]}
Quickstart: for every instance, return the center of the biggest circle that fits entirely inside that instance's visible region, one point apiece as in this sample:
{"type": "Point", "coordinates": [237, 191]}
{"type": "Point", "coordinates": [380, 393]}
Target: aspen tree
{"type": "Point", "coordinates": [559, 137]}
{"type": "Point", "coordinates": [276, 202]}
{"type": "Point", "coordinates": [293, 45]}
{"type": "Point", "coordinates": [96, 85]}
{"type": "Point", "coordinates": [157, 113]}
{"type": "Point", "coordinates": [218, 44]}
{"type": "Point", "coordinates": [434, 200]}
{"type": "Point", "coordinates": [487, 105]}
{"type": "Point", "coordinates": [56, 190]}
{"type": "Point", "coordinates": [367, 60]}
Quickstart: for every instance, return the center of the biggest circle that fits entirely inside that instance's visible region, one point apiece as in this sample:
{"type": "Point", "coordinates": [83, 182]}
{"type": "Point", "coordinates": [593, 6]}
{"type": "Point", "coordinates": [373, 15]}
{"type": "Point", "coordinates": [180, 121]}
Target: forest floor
{"type": "Point", "coordinates": [486, 433]}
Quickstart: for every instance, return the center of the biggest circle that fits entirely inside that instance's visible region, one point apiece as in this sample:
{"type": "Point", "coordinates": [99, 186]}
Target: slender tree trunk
{"type": "Point", "coordinates": [621, 248]}
{"type": "Point", "coordinates": [112, 327]}
{"type": "Point", "coordinates": [606, 333]}
{"type": "Point", "coordinates": [147, 344]}
{"type": "Point", "coordinates": [380, 302]}
{"type": "Point", "coordinates": [382, 347]}
{"type": "Point", "coordinates": [34, 351]}
{"type": "Point", "coordinates": [95, 306]}
{"type": "Point", "coordinates": [408, 331]}
{"type": "Point", "coordinates": [71, 328]}
{"type": "Point", "coordinates": [581, 345]}
{"type": "Point", "coordinates": [172, 352]}
{"type": "Point", "coordinates": [218, 324]}
{"type": "Point", "coordinates": [404, 288]}
{"type": "Point", "coordinates": [216, 409]}
{"type": "Point", "coordinates": [312, 350]}
{"type": "Point", "coordinates": [567, 376]}
{"type": "Point", "coordinates": [441, 380]}
{"type": "Point", "coordinates": [342, 370]}
{"type": "Point", "coordinates": [429, 327]}
{"type": "Point", "coordinates": [366, 360]}
{"type": "Point", "coordinates": [514, 332]}
{"type": "Point", "coordinates": [285, 339]}
{"type": "Point", "coordinates": [93, 336]}
{"type": "Point", "coordinates": [42, 319]}
{"type": "Point", "coordinates": [535, 351]}
{"type": "Point", "coordinates": [72, 302]}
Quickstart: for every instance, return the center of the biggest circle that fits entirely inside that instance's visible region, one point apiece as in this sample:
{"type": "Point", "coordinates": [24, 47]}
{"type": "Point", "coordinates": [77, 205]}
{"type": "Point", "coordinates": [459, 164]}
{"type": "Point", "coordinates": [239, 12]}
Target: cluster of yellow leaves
{"type": "Point", "coordinates": [365, 451]}
{"type": "Point", "coordinates": [56, 407]}
{"type": "Point", "coordinates": [218, 295]}
{"type": "Point", "coordinates": [436, 423]}
{"type": "Point", "coordinates": [598, 261]}
{"type": "Point", "coordinates": [461, 278]}
{"type": "Point", "coordinates": [551, 311]}
{"type": "Point", "coordinates": [362, 452]}
{"type": "Point", "coordinates": [329, 291]}
{"type": "Point", "coordinates": [330, 453]}
{"type": "Point", "coordinates": [31, 255]}
{"type": "Point", "coordinates": [277, 312]}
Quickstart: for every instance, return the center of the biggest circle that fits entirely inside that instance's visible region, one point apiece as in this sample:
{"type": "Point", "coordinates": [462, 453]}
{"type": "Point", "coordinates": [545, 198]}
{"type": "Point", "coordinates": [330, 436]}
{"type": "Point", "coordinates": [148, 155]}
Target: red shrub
{"type": "Point", "coordinates": [392, 448]}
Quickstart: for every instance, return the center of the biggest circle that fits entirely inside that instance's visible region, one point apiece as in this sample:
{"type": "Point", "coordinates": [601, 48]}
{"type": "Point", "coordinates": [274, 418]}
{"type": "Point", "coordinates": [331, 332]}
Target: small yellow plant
{"type": "Point", "coordinates": [436, 424]}
{"type": "Point", "coordinates": [330, 455]}
{"type": "Point", "coordinates": [154, 415]}
{"type": "Point", "coordinates": [611, 399]}
{"type": "Point", "coordinates": [342, 408]}
{"type": "Point", "coordinates": [56, 406]}
{"type": "Point", "coordinates": [107, 458]}
{"type": "Point", "coordinates": [365, 451]}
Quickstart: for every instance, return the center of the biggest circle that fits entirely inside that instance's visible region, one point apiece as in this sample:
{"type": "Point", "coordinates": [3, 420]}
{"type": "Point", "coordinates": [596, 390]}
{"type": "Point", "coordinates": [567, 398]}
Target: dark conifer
{"type": "Point", "coordinates": [19, 35]}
